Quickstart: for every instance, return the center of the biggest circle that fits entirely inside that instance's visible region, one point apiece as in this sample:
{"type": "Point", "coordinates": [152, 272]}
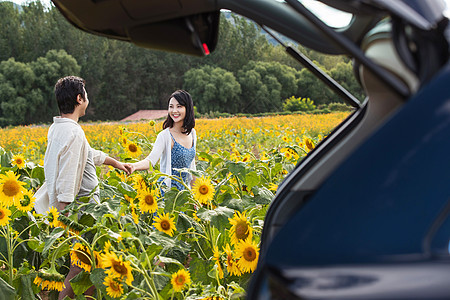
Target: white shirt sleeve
{"type": "Point", "coordinates": [98, 156]}
{"type": "Point", "coordinates": [70, 165]}
{"type": "Point", "coordinates": [158, 149]}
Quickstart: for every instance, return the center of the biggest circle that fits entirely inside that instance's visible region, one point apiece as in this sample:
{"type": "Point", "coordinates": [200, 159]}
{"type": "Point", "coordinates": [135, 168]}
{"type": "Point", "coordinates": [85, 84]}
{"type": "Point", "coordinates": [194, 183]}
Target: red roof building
{"type": "Point", "coordinates": [146, 115]}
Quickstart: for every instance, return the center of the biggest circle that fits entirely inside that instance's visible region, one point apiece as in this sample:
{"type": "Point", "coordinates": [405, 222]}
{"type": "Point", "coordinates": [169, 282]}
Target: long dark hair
{"type": "Point", "coordinates": [185, 100]}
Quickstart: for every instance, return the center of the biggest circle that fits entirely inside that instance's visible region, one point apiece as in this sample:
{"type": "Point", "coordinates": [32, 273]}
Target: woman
{"type": "Point", "coordinates": [175, 145]}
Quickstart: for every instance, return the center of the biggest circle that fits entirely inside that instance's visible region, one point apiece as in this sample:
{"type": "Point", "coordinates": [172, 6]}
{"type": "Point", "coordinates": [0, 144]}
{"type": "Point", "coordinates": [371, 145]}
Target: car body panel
{"type": "Point", "coordinates": [396, 199]}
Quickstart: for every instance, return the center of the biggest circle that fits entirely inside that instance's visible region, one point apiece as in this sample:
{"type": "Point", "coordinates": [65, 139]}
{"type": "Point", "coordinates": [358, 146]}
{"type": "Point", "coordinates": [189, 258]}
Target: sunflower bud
{"type": "Point", "coordinates": [74, 227]}
{"type": "Point", "coordinates": [50, 279]}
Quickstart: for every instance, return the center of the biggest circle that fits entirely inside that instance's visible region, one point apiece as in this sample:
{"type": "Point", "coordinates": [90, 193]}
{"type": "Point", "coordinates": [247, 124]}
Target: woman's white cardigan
{"type": "Point", "coordinates": [162, 149]}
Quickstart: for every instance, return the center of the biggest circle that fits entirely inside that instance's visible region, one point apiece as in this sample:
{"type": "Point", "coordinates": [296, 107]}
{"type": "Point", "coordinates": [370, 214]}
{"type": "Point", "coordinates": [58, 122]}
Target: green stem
{"type": "Point", "coordinates": [239, 185]}
{"type": "Point", "coordinates": [141, 290]}
{"type": "Point", "coordinates": [151, 281]}
{"type": "Point", "coordinates": [10, 254]}
{"type": "Point", "coordinates": [148, 280]}
{"type": "Point", "coordinates": [194, 233]}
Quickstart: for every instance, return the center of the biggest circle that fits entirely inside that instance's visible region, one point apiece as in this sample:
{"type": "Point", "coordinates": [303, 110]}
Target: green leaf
{"type": "Point", "coordinates": [276, 169]}
{"type": "Point", "coordinates": [38, 173]}
{"type": "Point", "coordinates": [5, 159]}
{"type": "Point", "coordinates": [55, 235]}
{"type": "Point", "coordinates": [199, 269]}
{"type": "Point", "coordinates": [97, 277]}
{"type": "Point", "coordinates": [23, 284]}
{"type": "Point", "coordinates": [237, 204]}
{"type": "Point", "coordinates": [205, 155]}
{"type": "Point", "coordinates": [126, 189]}
{"type": "Point", "coordinates": [262, 195]}
{"type": "Point", "coordinates": [202, 165]}
{"type": "Point", "coordinates": [36, 245]}
{"type": "Point", "coordinates": [217, 217]}
{"type": "Point", "coordinates": [251, 179]}
{"type": "Point", "coordinates": [174, 199]}
{"type": "Point", "coordinates": [7, 292]}
{"type": "Point", "coordinates": [237, 169]}
{"type": "Point", "coordinates": [184, 222]}
{"type": "Point", "coordinates": [81, 282]}
{"type": "Point", "coordinates": [216, 162]}
{"type": "Point", "coordinates": [87, 220]}
{"type": "Point", "coordinates": [99, 210]}
{"type": "Point", "coordinates": [168, 260]}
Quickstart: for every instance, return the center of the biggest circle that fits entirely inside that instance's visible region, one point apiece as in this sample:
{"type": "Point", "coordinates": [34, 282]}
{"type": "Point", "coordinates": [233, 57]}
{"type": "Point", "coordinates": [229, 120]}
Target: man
{"type": "Point", "coordinates": [69, 162]}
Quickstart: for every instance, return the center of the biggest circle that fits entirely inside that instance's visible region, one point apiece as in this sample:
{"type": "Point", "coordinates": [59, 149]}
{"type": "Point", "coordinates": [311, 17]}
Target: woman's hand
{"type": "Point", "coordinates": [130, 168]}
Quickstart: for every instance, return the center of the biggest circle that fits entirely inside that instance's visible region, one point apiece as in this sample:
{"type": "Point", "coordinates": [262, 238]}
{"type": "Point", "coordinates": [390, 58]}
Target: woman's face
{"type": "Point", "coordinates": [176, 111]}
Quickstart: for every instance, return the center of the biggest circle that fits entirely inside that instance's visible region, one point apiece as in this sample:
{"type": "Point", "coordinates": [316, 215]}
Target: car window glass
{"type": "Point", "coordinates": [329, 15]}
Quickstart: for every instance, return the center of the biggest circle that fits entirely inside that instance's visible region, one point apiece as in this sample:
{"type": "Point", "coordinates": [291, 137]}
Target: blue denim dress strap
{"type": "Point", "coordinates": [181, 158]}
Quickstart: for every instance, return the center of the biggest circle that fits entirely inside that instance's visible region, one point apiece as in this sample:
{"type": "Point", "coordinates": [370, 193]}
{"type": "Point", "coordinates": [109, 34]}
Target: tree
{"type": "Point", "coordinates": [240, 40]}
{"type": "Point", "coordinates": [47, 71]}
{"type": "Point", "coordinates": [26, 89]}
{"type": "Point", "coordinates": [310, 86]}
{"type": "Point", "coordinates": [344, 74]}
{"type": "Point", "coordinates": [265, 84]}
{"type": "Point", "coordinates": [11, 35]}
{"type": "Point", "coordinates": [19, 97]}
{"type": "Point", "coordinates": [213, 89]}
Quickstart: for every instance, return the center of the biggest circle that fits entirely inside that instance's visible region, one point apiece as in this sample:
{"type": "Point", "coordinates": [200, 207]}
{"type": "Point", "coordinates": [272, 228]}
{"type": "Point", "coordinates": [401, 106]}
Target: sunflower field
{"type": "Point", "coordinates": [198, 243]}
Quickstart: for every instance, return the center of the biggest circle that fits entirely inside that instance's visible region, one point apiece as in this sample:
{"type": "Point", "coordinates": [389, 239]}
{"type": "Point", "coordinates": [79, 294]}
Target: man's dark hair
{"type": "Point", "coordinates": [184, 98]}
{"type": "Point", "coordinates": [66, 91]}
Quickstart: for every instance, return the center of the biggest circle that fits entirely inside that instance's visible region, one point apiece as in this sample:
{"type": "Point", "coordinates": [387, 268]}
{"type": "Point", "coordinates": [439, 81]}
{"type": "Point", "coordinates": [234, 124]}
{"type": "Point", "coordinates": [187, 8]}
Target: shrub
{"type": "Point", "coordinates": [298, 104]}
{"type": "Point", "coordinates": [339, 107]}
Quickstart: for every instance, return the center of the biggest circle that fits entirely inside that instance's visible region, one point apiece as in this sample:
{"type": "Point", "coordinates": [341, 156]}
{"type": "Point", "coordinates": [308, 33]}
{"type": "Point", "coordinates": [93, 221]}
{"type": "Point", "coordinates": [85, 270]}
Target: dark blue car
{"type": "Point", "coordinates": [366, 214]}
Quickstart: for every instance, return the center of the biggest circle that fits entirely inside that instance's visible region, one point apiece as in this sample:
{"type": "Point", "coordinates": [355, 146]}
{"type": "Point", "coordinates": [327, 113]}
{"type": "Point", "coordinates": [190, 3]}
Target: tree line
{"type": "Point", "coordinates": [245, 74]}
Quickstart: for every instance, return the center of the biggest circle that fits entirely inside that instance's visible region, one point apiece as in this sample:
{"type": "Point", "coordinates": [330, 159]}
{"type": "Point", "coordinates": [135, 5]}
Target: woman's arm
{"type": "Point", "coordinates": [153, 157]}
{"type": "Point", "coordinates": [138, 166]}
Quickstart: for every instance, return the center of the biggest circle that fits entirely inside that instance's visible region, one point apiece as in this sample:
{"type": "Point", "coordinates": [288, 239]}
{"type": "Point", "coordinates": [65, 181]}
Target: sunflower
{"type": "Point", "coordinates": [81, 257]}
{"type": "Point", "coordinates": [138, 181]}
{"type": "Point", "coordinates": [217, 261]}
{"type": "Point", "coordinates": [133, 149]}
{"type": "Point", "coordinates": [50, 279]}
{"type": "Point", "coordinates": [119, 268]}
{"type": "Point", "coordinates": [148, 200]}
{"type": "Point", "coordinates": [133, 212]}
{"type": "Point", "coordinates": [114, 288]}
{"type": "Point", "coordinates": [240, 228]}
{"type": "Point", "coordinates": [52, 216]}
{"type": "Point", "coordinates": [4, 216]}
{"type": "Point", "coordinates": [246, 158]}
{"type": "Point", "coordinates": [10, 188]}
{"type": "Point", "coordinates": [26, 202]}
{"type": "Point", "coordinates": [123, 141]}
{"type": "Point", "coordinates": [180, 280]}
{"type": "Point", "coordinates": [273, 187]}
{"type": "Point", "coordinates": [247, 252]}
{"type": "Point", "coordinates": [152, 123]}
{"type": "Point", "coordinates": [232, 266]}
{"type": "Point", "coordinates": [309, 144]}
{"type": "Point", "coordinates": [19, 161]}
{"type": "Point", "coordinates": [288, 155]}
{"type": "Point", "coordinates": [107, 246]}
{"type": "Point", "coordinates": [203, 190]}
{"type": "Point", "coordinates": [165, 223]}
{"type": "Point", "coordinates": [128, 198]}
